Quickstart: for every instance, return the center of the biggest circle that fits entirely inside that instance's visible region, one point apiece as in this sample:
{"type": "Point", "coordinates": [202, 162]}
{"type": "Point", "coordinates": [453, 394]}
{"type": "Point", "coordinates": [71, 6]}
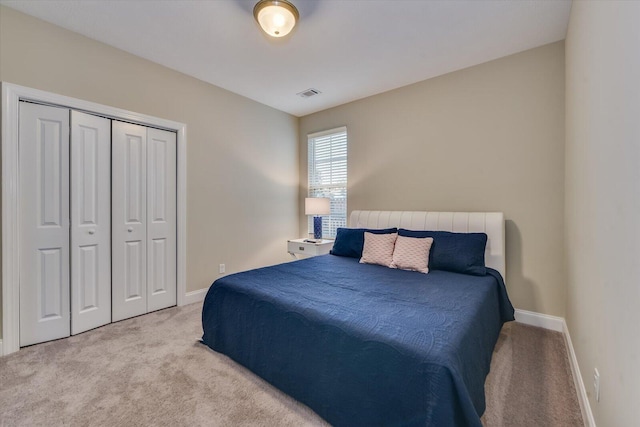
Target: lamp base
{"type": "Point", "coordinates": [317, 227]}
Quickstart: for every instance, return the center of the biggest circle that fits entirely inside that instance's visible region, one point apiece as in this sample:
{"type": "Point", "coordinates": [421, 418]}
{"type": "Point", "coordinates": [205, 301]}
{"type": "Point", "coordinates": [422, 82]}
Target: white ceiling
{"type": "Point", "coordinates": [347, 49]}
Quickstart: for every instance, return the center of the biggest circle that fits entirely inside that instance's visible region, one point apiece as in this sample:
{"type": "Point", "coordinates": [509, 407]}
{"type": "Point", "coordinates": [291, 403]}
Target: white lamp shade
{"type": "Point", "coordinates": [277, 18]}
{"type": "Point", "coordinates": [317, 206]}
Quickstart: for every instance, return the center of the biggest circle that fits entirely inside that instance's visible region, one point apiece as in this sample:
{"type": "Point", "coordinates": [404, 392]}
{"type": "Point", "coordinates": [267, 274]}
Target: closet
{"type": "Point", "coordinates": [143, 219]}
{"type": "Point", "coordinates": [97, 221]}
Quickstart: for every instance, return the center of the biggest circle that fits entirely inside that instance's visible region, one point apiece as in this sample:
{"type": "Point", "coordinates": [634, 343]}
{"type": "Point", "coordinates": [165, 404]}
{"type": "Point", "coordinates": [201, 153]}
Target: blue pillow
{"type": "Point", "coordinates": [350, 241]}
{"type": "Point", "coordinates": [457, 252]}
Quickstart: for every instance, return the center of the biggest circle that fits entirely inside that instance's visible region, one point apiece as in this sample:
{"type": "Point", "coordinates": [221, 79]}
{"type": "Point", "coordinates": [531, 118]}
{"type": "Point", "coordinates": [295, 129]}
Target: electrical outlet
{"type": "Point", "coordinates": [596, 384]}
{"type": "Point", "coordinates": [221, 269]}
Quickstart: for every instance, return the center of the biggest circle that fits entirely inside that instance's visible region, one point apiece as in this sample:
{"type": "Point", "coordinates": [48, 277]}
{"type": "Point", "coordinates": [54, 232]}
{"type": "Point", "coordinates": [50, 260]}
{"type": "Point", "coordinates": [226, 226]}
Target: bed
{"type": "Point", "coordinates": [366, 344]}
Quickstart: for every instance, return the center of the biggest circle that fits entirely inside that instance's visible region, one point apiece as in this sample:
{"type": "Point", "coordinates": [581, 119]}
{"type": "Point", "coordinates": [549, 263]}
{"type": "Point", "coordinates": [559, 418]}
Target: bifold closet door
{"type": "Point", "coordinates": [161, 219]}
{"type": "Point", "coordinates": [44, 223]}
{"type": "Point", "coordinates": [143, 219]}
{"type": "Point", "coordinates": [128, 220]}
{"type": "Point", "coordinates": [90, 222]}
{"type": "Point", "coordinates": [97, 221]}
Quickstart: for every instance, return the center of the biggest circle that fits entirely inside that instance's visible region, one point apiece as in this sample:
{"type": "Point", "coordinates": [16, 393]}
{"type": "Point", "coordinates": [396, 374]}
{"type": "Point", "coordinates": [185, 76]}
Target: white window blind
{"type": "Point", "coordinates": [328, 176]}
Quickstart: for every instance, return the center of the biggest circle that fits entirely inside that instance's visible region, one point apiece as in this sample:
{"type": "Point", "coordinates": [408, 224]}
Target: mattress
{"type": "Point", "coordinates": [363, 344]}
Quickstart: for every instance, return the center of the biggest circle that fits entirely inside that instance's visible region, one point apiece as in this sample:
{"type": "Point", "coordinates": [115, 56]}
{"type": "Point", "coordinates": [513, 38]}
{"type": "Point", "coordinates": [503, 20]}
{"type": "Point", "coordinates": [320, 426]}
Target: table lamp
{"type": "Point", "coordinates": [317, 206]}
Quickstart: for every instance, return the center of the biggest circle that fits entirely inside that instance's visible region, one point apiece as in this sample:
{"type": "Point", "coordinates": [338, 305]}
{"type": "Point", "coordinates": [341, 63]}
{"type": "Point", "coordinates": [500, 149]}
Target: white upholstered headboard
{"type": "Point", "coordinates": [491, 223]}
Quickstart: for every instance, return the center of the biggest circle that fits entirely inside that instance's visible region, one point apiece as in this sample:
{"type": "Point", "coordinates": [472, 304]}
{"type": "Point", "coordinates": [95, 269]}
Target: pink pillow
{"type": "Point", "coordinates": [378, 248]}
{"type": "Point", "coordinates": [412, 253]}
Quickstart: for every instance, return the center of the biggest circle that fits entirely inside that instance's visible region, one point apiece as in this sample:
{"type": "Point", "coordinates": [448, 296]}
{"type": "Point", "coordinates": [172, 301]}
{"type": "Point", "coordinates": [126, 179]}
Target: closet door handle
{"type": "Point", "coordinates": [91, 231]}
{"type": "Point", "coordinates": [130, 229]}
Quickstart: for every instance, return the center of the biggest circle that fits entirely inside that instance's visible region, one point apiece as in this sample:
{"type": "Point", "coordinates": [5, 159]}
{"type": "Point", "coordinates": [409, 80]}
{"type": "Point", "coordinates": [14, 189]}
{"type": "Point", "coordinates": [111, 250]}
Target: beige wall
{"type": "Point", "coordinates": [242, 156]}
{"type": "Point", "coordinates": [603, 203]}
{"type": "Point", "coordinates": [486, 138]}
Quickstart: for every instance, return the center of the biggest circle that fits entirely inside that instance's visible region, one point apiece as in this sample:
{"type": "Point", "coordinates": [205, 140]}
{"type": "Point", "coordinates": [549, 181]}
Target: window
{"type": "Point", "coordinates": [328, 176]}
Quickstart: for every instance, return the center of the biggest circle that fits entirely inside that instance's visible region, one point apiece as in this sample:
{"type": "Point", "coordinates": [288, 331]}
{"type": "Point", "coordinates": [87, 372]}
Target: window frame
{"type": "Point", "coordinates": [336, 187]}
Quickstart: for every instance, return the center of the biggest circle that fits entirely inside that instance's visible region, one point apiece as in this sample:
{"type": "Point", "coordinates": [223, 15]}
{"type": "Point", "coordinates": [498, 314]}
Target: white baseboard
{"type": "Point", "coordinates": [585, 406]}
{"type": "Point", "coordinates": [195, 296]}
{"type": "Point", "coordinates": [541, 320]}
{"type": "Point", "coordinates": [558, 324]}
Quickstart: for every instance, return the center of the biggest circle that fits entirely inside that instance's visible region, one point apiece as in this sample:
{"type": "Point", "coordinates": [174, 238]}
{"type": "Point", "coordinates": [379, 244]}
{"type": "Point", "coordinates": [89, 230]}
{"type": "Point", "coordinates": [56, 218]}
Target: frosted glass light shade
{"type": "Point", "coordinates": [317, 206]}
{"type": "Point", "coordinates": [276, 17]}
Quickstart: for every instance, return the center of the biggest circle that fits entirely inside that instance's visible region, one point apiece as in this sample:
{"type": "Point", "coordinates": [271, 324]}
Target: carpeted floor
{"type": "Point", "coordinates": [151, 371]}
{"type": "Point", "coordinates": [530, 383]}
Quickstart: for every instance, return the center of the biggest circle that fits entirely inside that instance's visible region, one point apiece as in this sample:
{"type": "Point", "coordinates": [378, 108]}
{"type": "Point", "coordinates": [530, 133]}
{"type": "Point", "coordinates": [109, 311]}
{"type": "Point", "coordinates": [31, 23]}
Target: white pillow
{"type": "Point", "coordinates": [378, 248]}
{"type": "Point", "coordinates": [412, 253]}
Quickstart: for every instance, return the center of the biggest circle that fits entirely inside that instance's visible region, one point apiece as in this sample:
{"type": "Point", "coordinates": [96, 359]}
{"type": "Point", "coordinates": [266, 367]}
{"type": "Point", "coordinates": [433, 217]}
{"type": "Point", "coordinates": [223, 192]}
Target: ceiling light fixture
{"type": "Point", "coordinates": [276, 17]}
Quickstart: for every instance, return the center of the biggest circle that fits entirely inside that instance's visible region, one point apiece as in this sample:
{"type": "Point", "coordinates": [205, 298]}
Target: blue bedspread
{"type": "Point", "coordinates": [363, 344]}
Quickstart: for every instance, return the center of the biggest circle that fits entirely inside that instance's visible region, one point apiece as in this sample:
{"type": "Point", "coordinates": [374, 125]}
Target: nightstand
{"type": "Point", "coordinates": [300, 247]}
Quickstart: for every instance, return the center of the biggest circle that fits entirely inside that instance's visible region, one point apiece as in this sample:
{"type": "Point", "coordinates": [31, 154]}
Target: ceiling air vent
{"type": "Point", "coordinates": [307, 93]}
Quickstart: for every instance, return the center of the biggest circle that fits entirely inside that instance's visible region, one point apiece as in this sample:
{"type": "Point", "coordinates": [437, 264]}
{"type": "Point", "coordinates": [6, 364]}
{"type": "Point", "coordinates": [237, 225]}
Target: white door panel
{"type": "Point", "coordinates": [44, 223]}
{"type": "Point", "coordinates": [161, 219]}
{"type": "Point", "coordinates": [90, 222]}
{"type": "Point", "coordinates": [134, 273]}
{"type": "Point", "coordinates": [128, 222]}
